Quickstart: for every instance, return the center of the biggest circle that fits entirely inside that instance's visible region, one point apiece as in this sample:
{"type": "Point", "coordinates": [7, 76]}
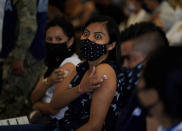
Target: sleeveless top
{"type": "Point", "coordinates": [74, 59]}
{"type": "Point", "coordinates": [79, 110]}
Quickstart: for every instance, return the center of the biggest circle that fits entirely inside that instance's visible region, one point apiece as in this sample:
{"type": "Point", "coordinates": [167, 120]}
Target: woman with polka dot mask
{"type": "Point", "coordinates": [92, 89]}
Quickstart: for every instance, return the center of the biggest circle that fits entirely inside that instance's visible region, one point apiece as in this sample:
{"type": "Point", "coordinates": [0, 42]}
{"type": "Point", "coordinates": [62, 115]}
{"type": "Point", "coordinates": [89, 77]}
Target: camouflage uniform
{"type": "Point", "coordinates": [14, 98]}
{"type": "Point", "coordinates": [2, 3]}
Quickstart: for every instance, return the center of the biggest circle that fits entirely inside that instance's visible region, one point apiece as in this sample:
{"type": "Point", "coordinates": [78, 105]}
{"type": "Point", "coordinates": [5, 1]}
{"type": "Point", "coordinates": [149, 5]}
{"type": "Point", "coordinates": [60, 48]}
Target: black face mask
{"type": "Point", "coordinates": [55, 54]}
{"type": "Point", "coordinates": [91, 51]}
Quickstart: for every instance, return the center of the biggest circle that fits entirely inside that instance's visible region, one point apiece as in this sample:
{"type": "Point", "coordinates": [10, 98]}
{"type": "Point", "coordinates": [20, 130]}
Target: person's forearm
{"type": "Point", "coordinates": [63, 98]}
{"type": "Point", "coordinates": [39, 90]}
{"type": "Point", "coordinates": [45, 108]}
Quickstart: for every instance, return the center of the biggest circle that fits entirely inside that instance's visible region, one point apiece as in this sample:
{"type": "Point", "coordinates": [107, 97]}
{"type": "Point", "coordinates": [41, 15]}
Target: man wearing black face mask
{"type": "Point", "coordinates": [137, 43]}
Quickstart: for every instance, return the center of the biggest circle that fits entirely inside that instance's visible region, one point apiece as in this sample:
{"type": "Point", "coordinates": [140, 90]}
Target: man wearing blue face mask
{"type": "Point", "coordinates": [138, 42]}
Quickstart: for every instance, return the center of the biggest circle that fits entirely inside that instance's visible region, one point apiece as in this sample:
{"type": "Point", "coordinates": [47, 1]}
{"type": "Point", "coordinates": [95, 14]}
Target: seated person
{"type": "Point", "coordinates": [162, 13]}
{"type": "Point", "coordinates": [137, 43]}
{"type": "Point", "coordinates": [135, 13]}
{"type": "Point", "coordinates": [160, 89]}
{"type": "Point", "coordinates": [88, 111]}
{"type": "Point", "coordinates": [61, 60]}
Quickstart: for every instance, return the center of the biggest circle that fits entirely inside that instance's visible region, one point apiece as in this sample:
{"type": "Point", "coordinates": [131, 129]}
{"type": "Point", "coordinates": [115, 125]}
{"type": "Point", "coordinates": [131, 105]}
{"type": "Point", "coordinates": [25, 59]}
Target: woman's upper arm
{"type": "Point", "coordinates": [103, 96]}
{"type": "Point", "coordinates": [62, 86]}
{"type": "Point", "coordinates": [70, 73]}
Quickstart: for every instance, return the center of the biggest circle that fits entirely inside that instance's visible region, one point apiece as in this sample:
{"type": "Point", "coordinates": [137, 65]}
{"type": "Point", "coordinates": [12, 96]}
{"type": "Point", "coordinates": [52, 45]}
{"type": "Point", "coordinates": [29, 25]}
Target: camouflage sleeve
{"type": "Point", "coordinates": [26, 26]}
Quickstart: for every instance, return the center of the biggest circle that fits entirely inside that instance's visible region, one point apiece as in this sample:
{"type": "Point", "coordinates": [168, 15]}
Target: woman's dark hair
{"type": "Point", "coordinates": [67, 28]}
{"type": "Point", "coordinates": [112, 29]}
{"type": "Point", "coordinates": [163, 72]}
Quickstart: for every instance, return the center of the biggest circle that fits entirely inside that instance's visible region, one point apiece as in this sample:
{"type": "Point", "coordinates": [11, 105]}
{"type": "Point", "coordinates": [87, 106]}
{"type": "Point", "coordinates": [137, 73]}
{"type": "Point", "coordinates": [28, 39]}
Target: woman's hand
{"type": "Point", "coordinates": [92, 81]}
{"type": "Point", "coordinates": [57, 76]}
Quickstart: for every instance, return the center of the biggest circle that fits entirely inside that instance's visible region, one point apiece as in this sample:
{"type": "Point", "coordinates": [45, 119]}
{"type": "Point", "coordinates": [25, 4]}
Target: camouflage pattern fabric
{"type": "Point", "coordinates": [15, 95]}
{"type": "Point", "coordinates": [14, 98]}
{"type": "Point", "coordinates": [26, 28]}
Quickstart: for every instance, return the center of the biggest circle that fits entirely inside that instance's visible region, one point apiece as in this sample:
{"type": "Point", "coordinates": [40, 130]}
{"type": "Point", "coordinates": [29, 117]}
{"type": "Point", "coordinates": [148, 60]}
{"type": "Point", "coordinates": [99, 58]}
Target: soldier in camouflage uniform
{"type": "Point", "coordinates": [24, 64]}
{"type": "Point", "coordinates": [2, 5]}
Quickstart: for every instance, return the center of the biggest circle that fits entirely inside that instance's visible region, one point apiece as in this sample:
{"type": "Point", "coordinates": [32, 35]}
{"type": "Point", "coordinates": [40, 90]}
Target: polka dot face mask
{"type": "Point", "coordinates": [92, 51]}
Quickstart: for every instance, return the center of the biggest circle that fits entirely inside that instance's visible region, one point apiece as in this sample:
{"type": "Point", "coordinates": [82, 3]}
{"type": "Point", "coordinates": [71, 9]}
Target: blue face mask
{"type": "Point", "coordinates": [91, 51]}
{"type": "Point", "coordinates": [132, 75]}
{"type": "Point", "coordinates": [137, 69]}
{"type": "Point", "coordinates": [127, 81]}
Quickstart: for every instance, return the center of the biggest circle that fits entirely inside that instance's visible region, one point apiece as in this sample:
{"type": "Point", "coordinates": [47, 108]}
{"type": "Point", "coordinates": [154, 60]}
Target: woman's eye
{"type": "Point", "coordinates": [98, 36]}
{"type": "Point", "coordinates": [49, 39]}
{"type": "Point", "coordinates": [58, 39]}
{"type": "Point", "coordinates": [85, 33]}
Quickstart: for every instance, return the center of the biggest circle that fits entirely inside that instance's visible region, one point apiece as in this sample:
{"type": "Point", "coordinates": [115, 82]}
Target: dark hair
{"type": "Point", "coordinates": [140, 29]}
{"type": "Point", "coordinates": [66, 26]}
{"type": "Point", "coordinates": [112, 29]}
{"type": "Point", "coordinates": [163, 72]}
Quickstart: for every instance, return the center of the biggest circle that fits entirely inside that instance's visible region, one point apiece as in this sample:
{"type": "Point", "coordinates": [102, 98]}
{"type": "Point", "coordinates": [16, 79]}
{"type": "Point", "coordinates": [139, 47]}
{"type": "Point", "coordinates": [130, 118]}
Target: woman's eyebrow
{"type": "Point", "coordinates": [86, 30]}
{"type": "Point", "coordinates": [99, 33]}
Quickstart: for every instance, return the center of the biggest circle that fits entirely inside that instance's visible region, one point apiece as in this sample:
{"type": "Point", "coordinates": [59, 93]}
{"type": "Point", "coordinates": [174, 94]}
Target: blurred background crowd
{"type": "Point", "coordinates": [24, 30]}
